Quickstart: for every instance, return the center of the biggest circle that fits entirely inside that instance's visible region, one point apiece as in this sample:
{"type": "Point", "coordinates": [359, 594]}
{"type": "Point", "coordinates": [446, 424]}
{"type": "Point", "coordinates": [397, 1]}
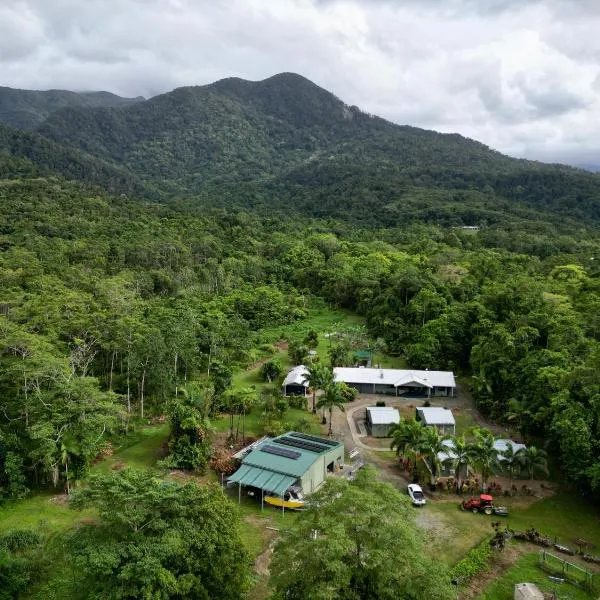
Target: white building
{"type": "Point", "coordinates": [399, 382]}
{"type": "Point", "coordinates": [436, 416]}
{"type": "Point", "coordinates": [381, 418]}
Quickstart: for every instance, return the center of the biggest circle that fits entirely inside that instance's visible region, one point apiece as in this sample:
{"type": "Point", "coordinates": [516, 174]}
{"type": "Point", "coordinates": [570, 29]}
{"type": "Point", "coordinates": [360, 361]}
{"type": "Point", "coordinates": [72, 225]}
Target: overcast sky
{"type": "Point", "coordinates": [523, 76]}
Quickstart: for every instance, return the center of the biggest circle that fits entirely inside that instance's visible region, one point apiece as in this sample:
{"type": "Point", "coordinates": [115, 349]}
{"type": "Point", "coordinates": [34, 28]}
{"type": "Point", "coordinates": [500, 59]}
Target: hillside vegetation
{"type": "Point", "coordinates": [149, 253]}
{"type": "Point", "coordinates": [26, 109]}
{"type": "Point", "coordinates": [286, 143]}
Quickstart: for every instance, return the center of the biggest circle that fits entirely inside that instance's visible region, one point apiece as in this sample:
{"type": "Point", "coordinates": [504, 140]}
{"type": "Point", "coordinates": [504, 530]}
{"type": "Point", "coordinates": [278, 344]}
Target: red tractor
{"type": "Point", "coordinates": [482, 504]}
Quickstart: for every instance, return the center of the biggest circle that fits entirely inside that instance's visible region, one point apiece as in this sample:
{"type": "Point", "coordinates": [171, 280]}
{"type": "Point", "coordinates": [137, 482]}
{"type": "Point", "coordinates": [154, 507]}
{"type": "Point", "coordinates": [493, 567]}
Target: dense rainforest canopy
{"type": "Point", "coordinates": [220, 210]}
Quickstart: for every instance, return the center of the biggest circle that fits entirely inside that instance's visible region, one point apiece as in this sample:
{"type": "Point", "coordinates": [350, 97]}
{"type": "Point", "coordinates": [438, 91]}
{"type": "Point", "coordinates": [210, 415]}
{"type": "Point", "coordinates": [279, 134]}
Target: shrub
{"type": "Point", "coordinates": [476, 560]}
{"type": "Point", "coordinates": [17, 540]}
{"type": "Point", "coordinates": [297, 401]}
{"type": "Point", "coordinates": [268, 348]}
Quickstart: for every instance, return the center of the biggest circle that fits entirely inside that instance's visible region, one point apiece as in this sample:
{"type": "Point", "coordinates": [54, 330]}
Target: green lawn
{"type": "Point", "coordinates": [526, 570]}
{"type": "Point", "coordinates": [139, 449]}
{"type": "Point", "coordinates": [254, 421]}
{"type": "Point", "coordinates": [564, 516]}
{"type": "Point", "coordinates": [50, 511]}
{"type": "Point", "coordinates": [45, 512]}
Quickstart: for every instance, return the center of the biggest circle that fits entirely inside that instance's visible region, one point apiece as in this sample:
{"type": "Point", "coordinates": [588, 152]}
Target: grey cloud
{"type": "Point", "coordinates": [518, 75]}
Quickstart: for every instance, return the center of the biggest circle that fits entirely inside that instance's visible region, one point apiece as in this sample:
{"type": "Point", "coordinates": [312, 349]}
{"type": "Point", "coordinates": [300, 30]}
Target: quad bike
{"type": "Point", "coordinates": [484, 504]}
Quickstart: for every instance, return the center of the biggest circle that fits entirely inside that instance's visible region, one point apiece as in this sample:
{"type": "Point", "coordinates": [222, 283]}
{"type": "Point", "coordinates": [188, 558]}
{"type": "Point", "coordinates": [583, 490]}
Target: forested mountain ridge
{"type": "Point", "coordinates": [286, 142]}
{"type": "Point", "coordinates": [25, 153]}
{"type": "Point", "coordinates": [26, 109]}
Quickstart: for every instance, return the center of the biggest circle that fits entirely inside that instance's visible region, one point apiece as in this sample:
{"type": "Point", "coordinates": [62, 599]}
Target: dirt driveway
{"type": "Point", "coordinates": [348, 427]}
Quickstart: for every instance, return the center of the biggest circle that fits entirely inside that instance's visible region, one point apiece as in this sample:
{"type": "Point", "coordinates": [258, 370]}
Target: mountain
{"type": "Point", "coordinates": [285, 143]}
{"type": "Point", "coordinates": [26, 154]}
{"type": "Point", "coordinates": [27, 109]}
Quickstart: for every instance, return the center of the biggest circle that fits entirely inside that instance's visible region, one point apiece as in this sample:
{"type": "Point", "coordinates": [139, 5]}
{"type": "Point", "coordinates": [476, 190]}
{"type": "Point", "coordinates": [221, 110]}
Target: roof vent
{"type": "Point", "coordinates": [381, 374]}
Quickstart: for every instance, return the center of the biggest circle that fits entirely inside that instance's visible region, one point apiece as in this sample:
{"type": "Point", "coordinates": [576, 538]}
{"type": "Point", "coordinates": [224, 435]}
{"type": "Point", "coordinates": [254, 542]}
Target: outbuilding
{"type": "Point", "coordinates": [501, 445]}
{"type": "Point", "coordinates": [292, 460]}
{"type": "Point", "coordinates": [380, 419]}
{"type": "Point", "coordinates": [436, 416]}
{"type": "Point", "coordinates": [296, 382]}
{"type": "Point", "coordinates": [397, 382]}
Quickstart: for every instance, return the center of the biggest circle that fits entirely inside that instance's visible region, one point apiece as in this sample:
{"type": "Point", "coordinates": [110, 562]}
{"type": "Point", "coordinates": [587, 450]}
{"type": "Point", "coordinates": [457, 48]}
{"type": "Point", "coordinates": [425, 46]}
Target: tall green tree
{"type": "Point", "coordinates": [319, 377]}
{"type": "Point", "coordinates": [485, 456]}
{"type": "Point", "coordinates": [158, 539]}
{"type": "Point", "coordinates": [534, 460]}
{"type": "Point", "coordinates": [333, 398]}
{"type": "Point", "coordinates": [357, 541]}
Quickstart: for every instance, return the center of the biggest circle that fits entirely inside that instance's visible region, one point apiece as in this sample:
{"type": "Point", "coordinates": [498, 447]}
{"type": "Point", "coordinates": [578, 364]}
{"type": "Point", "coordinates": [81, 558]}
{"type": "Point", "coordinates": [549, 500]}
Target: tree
{"type": "Point", "coordinates": [406, 441]}
{"type": "Point", "coordinates": [319, 377]}
{"type": "Point", "coordinates": [533, 459]}
{"type": "Point", "coordinates": [463, 453]}
{"type": "Point", "coordinates": [270, 370]}
{"type": "Point", "coordinates": [485, 456]}
{"type": "Point", "coordinates": [431, 445]}
{"type": "Point", "coordinates": [339, 355]}
{"type": "Point", "coordinates": [512, 461]}
{"type": "Point", "coordinates": [312, 339]}
{"type": "Point", "coordinates": [298, 353]}
{"type": "Point", "coordinates": [357, 541]}
{"type": "Point", "coordinates": [158, 539]}
{"type": "Point", "coordinates": [333, 397]}
{"type": "Point", "coordinates": [190, 441]}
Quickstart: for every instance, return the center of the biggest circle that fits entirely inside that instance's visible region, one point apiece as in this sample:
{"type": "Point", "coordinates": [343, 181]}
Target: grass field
{"type": "Point", "coordinates": [526, 570]}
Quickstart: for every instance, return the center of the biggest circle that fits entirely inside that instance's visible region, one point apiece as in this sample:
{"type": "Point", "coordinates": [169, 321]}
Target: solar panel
{"type": "Point", "coordinates": [314, 438]}
{"type": "Point", "coordinates": [296, 443]}
{"type": "Point", "coordinates": [281, 452]}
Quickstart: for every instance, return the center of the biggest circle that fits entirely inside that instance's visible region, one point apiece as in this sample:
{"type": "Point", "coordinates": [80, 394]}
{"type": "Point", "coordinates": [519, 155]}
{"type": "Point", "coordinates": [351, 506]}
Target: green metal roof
{"type": "Point", "coordinates": [266, 480]}
{"type": "Point", "coordinates": [282, 464]}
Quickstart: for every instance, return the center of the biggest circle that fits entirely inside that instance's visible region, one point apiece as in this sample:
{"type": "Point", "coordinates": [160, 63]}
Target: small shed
{"type": "Point", "coordinates": [296, 382]}
{"type": "Point", "coordinates": [436, 416]}
{"type": "Point", "coordinates": [380, 419]}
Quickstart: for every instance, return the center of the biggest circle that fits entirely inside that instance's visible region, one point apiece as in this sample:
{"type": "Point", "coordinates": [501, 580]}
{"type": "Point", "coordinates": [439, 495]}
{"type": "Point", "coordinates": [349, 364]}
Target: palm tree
{"type": "Point", "coordinates": [406, 438]}
{"type": "Point", "coordinates": [485, 455]}
{"type": "Point", "coordinates": [431, 445]}
{"type": "Point", "coordinates": [319, 377]}
{"type": "Point", "coordinates": [332, 398]}
{"type": "Point", "coordinates": [534, 459]}
{"type": "Point", "coordinates": [462, 452]}
{"type": "Point", "coordinates": [512, 461]}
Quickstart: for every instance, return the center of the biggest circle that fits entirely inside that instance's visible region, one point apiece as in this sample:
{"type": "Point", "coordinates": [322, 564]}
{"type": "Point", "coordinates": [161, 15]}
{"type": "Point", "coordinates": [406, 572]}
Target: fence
{"type": "Point", "coordinates": [568, 571]}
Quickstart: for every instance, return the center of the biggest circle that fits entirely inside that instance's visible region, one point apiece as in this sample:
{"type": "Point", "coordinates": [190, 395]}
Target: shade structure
{"type": "Point", "coordinates": [269, 481]}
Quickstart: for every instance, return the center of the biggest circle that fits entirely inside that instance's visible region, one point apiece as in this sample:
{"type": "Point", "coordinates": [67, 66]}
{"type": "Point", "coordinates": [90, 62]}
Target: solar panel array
{"type": "Point", "coordinates": [314, 438]}
{"type": "Point", "coordinates": [303, 444]}
{"type": "Point", "coordinates": [281, 452]}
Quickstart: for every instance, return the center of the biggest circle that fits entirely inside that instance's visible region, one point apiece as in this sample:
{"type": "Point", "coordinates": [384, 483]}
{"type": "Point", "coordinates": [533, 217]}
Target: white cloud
{"type": "Point", "coordinates": [520, 76]}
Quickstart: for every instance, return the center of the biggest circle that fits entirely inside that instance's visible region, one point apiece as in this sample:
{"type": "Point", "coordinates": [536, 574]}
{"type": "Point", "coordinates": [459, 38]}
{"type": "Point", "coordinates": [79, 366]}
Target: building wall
{"type": "Point", "coordinates": [380, 430]}
{"type": "Point", "coordinates": [317, 473]}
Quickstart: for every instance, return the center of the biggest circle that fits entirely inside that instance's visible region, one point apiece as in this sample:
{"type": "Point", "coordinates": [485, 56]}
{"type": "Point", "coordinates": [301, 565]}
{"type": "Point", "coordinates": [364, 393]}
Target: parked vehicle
{"type": "Point", "coordinates": [416, 494]}
{"type": "Point", "coordinates": [484, 504]}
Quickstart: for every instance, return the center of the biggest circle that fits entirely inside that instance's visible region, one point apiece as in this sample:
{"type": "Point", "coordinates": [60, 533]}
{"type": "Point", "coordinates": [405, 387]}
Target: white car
{"type": "Point", "coordinates": [416, 494]}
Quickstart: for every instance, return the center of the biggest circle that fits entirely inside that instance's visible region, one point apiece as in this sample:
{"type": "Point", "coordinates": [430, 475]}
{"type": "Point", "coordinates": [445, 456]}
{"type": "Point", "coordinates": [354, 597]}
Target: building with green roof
{"type": "Point", "coordinates": [292, 460]}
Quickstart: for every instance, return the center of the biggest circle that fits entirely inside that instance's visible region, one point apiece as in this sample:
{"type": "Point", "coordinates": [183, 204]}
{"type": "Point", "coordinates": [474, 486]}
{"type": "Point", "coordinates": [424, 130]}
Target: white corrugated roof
{"type": "Point", "coordinates": [383, 415]}
{"type": "Point", "coordinates": [501, 445]}
{"type": "Point", "coordinates": [436, 415]}
{"type": "Point", "coordinates": [450, 452]}
{"type": "Point", "coordinates": [297, 376]}
{"type": "Point", "coordinates": [395, 377]}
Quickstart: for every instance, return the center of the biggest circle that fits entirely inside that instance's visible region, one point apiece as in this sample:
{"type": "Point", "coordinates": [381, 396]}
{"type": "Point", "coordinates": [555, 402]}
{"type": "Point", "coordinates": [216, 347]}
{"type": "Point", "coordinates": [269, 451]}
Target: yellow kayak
{"type": "Point", "coordinates": [275, 501]}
